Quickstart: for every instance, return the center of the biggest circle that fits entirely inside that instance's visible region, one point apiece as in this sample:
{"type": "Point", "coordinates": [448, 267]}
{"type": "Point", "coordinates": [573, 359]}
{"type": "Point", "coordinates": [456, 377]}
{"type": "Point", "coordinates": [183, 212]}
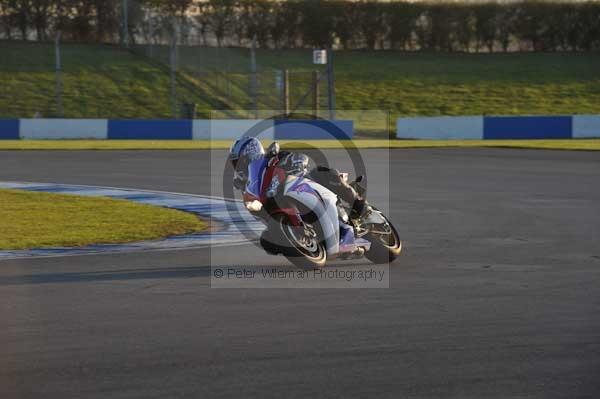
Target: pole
{"type": "Point", "coordinates": [331, 83]}
{"type": "Point", "coordinates": [315, 94]}
{"type": "Point", "coordinates": [59, 105]}
{"type": "Point", "coordinates": [228, 76]}
{"type": "Point", "coordinates": [253, 78]}
{"type": "Point", "coordinates": [389, 124]}
{"type": "Point", "coordinates": [126, 23]}
{"type": "Point", "coordinates": [150, 34]}
{"type": "Point", "coordinates": [173, 59]}
{"type": "Point", "coordinates": [286, 93]}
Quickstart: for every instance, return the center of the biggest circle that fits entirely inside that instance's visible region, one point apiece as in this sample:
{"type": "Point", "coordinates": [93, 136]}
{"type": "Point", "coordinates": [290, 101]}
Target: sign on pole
{"type": "Point", "coordinates": [320, 57]}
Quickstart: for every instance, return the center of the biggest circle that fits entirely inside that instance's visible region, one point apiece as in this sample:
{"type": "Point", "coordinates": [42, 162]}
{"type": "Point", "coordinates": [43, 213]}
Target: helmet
{"type": "Point", "coordinates": [295, 163]}
{"type": "Point", "coordinates": [245, 150]}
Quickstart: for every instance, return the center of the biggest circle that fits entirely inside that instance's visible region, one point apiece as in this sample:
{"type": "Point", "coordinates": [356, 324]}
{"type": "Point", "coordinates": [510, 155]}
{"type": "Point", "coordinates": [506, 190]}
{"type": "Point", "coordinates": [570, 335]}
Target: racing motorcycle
{"type": "Point", "coordinates": [305, 221]}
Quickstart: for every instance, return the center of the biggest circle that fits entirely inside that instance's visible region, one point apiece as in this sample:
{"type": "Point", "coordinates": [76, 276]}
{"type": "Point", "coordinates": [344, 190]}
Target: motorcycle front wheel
{"type": "Point", "coordinates": [385, 242]}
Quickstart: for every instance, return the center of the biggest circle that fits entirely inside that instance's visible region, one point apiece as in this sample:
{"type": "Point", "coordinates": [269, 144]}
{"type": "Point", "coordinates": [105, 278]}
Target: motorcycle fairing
{"type": "Point", "coordinates": [323, 203]}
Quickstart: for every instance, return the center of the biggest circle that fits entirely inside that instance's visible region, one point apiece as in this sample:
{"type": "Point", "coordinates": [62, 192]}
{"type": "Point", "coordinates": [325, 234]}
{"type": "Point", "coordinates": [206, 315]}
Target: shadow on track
{"type": "Point", "coordinates": [131, 274]}
{"type": "Point", "coordinates": [134, 274]}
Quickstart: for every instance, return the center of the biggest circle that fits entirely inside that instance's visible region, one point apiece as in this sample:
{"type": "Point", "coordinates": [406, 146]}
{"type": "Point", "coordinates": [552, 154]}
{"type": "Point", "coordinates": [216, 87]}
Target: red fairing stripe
{"type": "Point", "coordinates": [291, 213]}
{"type": "Point", "coordinates": [267, 177]}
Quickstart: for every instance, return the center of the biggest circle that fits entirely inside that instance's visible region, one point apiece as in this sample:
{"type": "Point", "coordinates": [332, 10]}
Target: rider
{"type": "Point", "coordinates": [248, 149]}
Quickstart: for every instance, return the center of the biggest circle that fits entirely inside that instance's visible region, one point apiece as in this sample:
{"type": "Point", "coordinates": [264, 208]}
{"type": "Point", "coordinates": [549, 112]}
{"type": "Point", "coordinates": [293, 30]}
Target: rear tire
{"type": "Point", "coordinates": [310, 254]}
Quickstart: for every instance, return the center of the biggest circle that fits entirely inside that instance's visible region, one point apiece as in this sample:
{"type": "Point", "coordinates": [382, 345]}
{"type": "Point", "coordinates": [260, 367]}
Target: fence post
{"type": "Point", "coordinates": [126, 23]}
{"type": "Point", "coordinates": [286, 93]}
{"type": "Point", "coordinates": [331, 83]}
{"type": "Point", "coordinates": [150, 35]}
{"type": "Point", "coordinates": [316, 79]}
{"type": "Point", "coordinates": [173, 59]}
{"type": "Point", "coordinates": [253, 78]}
{"type": "Point", "coordinates": [59, 105]}
{"type": "Point", "coordinates": [228, 76]}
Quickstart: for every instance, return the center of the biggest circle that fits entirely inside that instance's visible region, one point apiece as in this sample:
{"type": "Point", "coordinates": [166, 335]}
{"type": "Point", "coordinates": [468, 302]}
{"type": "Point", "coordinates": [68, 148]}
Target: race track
{"type": "Point", "coordinates": [496, 295]}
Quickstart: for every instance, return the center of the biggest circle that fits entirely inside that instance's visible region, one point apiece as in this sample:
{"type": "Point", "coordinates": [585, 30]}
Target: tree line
{"type": "Point", "coordinates": [529, 25]}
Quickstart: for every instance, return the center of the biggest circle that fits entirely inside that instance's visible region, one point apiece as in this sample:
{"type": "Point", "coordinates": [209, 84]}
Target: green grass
{"type": "Point", "coordinates": [98, 82]}
{"type": "Point", "coordinates": [42, 220]}
{"type": "Point", "coordinates": [579, 144]}
{"type": "Point", "coordinates": [104, 81]}
{"type": "Point", "coordinates": [414, 84]}
{"type": "Point", "coordinates": [396, 84]}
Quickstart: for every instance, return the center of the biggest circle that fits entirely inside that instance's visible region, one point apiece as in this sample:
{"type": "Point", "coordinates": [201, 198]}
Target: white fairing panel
{"type": "Point", "coordinates": [326, 211]}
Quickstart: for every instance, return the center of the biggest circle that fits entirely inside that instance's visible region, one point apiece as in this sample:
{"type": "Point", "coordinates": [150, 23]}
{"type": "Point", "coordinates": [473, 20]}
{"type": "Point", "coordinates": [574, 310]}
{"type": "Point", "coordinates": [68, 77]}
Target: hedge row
{"type": "Point", "coordinates": [441, 26]}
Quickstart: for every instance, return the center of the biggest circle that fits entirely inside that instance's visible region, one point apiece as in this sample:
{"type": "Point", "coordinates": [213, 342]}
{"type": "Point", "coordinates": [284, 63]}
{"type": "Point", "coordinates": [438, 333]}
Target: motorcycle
{"type": "Point", "coordinates": [306, 223]}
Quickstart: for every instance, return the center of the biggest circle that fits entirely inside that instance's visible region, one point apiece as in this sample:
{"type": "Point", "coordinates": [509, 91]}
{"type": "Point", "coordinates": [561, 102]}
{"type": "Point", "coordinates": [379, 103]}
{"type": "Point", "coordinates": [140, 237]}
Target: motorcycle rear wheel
{"type": "Point", "coordinates": [303, 246]}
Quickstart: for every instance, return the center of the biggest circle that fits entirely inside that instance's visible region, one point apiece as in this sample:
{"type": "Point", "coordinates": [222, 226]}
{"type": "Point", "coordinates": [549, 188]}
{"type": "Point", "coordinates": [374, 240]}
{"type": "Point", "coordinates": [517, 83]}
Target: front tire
{"type": "Point", "coordinates": [385, 248]}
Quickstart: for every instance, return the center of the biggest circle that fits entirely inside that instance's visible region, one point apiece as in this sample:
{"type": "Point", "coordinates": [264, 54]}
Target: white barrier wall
{"type": "Point", "coordinates": [436, 128]}
{"type": "Point", "coordinates": [586, 126]}
{"type": "Point", "coordinates": [40, 129]}
{"type": "Point", "coordinates": [229, 129]}
{"type": "Point", "coordinates": [441, 128]}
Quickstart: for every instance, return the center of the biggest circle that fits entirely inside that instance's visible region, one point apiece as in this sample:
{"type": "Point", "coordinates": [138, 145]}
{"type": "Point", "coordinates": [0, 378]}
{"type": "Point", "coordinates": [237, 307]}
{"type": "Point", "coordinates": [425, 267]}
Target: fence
{"type": "Point", "coordinates": [95, 81]}
{"type": "Point", "coordinates": [233, 79]}
{"type": "Point", "coordinates": [148, 81]}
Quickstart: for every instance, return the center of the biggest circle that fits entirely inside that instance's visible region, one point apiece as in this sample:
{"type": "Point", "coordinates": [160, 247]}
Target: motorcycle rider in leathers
{"type": "Point", "coordinates": [248, 149]}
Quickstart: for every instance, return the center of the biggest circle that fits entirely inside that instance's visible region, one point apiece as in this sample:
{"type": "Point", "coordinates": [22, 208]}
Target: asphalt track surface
{"type": "Point", "coordinates": [496, 295]}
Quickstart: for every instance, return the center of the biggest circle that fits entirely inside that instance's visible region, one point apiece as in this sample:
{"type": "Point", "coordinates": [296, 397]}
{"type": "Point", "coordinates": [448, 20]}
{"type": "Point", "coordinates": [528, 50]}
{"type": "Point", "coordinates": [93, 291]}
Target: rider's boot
{"type": "Point", "coordinates": [331, 179]}
{"type": "Point", "coordinates": [360, 208]}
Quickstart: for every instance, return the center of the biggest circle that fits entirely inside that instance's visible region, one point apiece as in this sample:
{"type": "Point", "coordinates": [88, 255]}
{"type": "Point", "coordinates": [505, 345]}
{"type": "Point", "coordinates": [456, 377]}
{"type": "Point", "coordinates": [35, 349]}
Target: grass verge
{"type": "Point", "coordinates": [41, 220]}
{"type": "Point", "coordinates": [44, 145]}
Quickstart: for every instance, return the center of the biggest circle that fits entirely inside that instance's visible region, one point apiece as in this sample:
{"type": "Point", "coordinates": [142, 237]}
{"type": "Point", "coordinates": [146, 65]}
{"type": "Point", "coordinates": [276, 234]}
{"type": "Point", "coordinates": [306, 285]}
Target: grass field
{"type": "Point", "coordinates": [41, 220]}
{"type": "Point", "coordinates": [103, 81]}
{"type": "Point", "coordinates": [74, 145]}
{"type": "Point", "coordinates": [98, 82]}
{"type": "Point", "coordinates": [417, 84]}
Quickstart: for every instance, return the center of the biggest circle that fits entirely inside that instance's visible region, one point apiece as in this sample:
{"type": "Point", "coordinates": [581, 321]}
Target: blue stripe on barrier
{"type": "Point", "coordinates": [313, 129]}
{"type": "Point", "coordinates": [9, 129]}
{"type": "Point", "coordinates": [527, 127]}
{"type": "Point", "coordinates": [150, 129]}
